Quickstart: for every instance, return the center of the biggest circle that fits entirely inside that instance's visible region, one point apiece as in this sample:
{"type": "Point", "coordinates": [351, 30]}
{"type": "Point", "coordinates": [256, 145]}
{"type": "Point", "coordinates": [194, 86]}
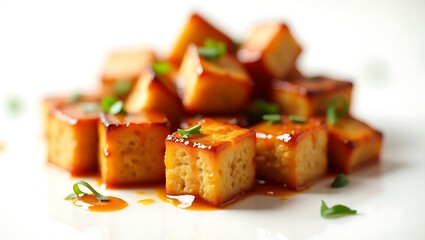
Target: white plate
{"type": "Point", "coordinates": [47, 46]}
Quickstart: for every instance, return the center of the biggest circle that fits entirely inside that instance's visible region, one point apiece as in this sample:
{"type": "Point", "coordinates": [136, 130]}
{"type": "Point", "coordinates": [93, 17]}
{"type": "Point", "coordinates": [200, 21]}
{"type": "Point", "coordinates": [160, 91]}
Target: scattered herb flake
{"type": "Point", "coordinates": [272, 118]}
{"type": "Point", "coordinates": [77, 192]}
{"type": "Point", "coordinates": [340, 181]}
{"type": "Point", "coordinates": [193, 130]}
{"type": "Point", "coordinates": [107, 102]}
{"type": "Point", "coordinates": [76, 97]}
{"type": "Point", "coordinates": [297, 119]}
{"type": "Point", "coordinates": [117, 108]}
{"type": "Point", "coordinates": [122, 87]}
{"type": "Point", "coordinates": [90, 107]}
{"type": "Point", "coordinates": [161, 68]}
{"type": "Point", "coordinates": [335, 211]}
{"type": "Point", "coordinates": [338, 107]}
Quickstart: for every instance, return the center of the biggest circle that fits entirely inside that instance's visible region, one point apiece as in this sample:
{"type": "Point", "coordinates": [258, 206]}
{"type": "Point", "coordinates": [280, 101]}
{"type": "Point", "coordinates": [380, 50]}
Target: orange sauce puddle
{"type": "Point", "coordinates": [90, 203]}
{"type": "Point", "coordinates": [146, 201]}
{"type": "Point", "coordinates": [192, 202]}
{"type": "Point", "coordinates": [2, 147]}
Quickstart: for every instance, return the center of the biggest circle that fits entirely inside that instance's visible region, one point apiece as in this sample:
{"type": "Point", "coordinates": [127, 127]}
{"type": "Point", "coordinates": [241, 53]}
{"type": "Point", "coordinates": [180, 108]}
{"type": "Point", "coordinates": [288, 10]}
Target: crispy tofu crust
{"type": "Point", "coordinates": [353, 144]}
{"type": "Point", "coordinates": [131, 148]}
{"type": "Point", "coordinates": [216, 165]}
{"type": "Point", "coordinates": [291, 154]}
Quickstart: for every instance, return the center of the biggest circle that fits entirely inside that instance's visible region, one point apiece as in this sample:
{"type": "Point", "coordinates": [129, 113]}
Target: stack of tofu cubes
{"type": "Point", "coordinates": [225, 158]}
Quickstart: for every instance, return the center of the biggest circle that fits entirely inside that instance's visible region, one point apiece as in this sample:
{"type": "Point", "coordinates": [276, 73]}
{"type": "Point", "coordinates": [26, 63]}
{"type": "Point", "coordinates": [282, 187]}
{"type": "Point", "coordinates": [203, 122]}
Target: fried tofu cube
{"type": "Point", "coordinates": [197, 29]}
{"type": "Point", "coordinates": [132, 148]}
{"type": "Point", "coordinates": [72, 137]}
{"type": "Point", "coordinates": [352, 144]}
{"type": "Point", "coordinates": [310, 96]}
{"type": "Point", "coordinates": [216, 165]}
{"type": "Point", "coordinates": [154, 92]}
{"type": "Point", "coordinates": [123, 68]}
{"type": "Point", "coordinates": [217, 86]}
{"type": "Point", "coordinates": [49, 103]}
{"type": "Point", "coordinates": [270, 52]}
{"type": "Point", "coordinates": [291, 154]}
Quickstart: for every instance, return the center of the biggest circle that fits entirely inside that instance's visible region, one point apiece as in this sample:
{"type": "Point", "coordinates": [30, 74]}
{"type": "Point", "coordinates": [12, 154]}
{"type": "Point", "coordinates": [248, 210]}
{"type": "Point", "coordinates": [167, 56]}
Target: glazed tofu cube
{"type": "Point", "coordinates": [269, 52]}
{"type": "Point", "coordinates": [123, 68]}
{"type": "Point", "coordinates": [154, 92]}
{"type": "Point", "coordinates": [49, 103]}
{"type": "Point", "coordinates": [197, 29]}
{"type": "Point", "coordinates": [310, 96]}
{"type": "Point", "coordinates": [352, 144]}
{"type": "Point", "coordinates": [72, 137]}
{"type": "Point", "coordinates": [216, 165]}
{"type": "Point", "coordinates": [291, 154]}
{"type": "Point", "coordinates": [132, 148]}
{"type": "Point", "coordinates": [217, 86]}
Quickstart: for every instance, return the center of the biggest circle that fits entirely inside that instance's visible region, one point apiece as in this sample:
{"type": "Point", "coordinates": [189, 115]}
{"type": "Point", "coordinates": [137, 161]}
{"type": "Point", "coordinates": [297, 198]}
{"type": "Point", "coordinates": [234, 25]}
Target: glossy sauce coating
{"type": "Point", "coordinates": [313, 86]}
{"type": "Point", "coordinates": [90, 203]}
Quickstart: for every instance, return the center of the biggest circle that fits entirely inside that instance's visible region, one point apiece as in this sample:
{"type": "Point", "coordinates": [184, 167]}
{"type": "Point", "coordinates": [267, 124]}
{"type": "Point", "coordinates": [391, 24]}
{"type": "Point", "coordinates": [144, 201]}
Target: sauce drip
{"type": "Point", "coordinates": [192, 202]}
{"type": "Point", "coordinates": [146, 201]}
{"type": "Point", "coordinates": [89, 202]}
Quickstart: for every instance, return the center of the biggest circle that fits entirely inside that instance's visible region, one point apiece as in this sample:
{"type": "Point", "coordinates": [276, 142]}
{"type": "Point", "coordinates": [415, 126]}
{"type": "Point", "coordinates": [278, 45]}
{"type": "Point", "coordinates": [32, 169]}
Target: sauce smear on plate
{"type": "Point", "coordinates": [89, 202]}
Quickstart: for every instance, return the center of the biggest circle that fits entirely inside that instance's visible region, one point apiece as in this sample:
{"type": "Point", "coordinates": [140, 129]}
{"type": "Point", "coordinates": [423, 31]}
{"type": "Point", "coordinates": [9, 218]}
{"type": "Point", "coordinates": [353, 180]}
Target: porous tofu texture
{"type": "Point", "coordinates": [291, 154]}
{"type": "Point", "coordinates": [196, 30]}
{"type": "Point", "coordinates": [309, 96]}
{"type": "Point", "coordinates": [132, 148]}
{"type": "Point", "coordinates": [72, 139]}
{"type": "Point", "coordinates": [216, 165]}
{"type": "Point", "coordinates": [353, 144]}
{"type": "Point", "coordinates": [213, 87]}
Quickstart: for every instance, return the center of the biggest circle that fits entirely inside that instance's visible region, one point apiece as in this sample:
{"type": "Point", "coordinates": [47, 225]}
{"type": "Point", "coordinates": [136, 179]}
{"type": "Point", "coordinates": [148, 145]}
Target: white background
{"type": "Point", "coordinates": [60, 46]}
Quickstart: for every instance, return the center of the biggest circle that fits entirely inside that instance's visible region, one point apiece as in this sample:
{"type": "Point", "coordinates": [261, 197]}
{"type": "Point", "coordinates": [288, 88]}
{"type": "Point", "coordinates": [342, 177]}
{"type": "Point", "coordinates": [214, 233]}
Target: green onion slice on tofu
{"type": "Point", "coordinates": [272, 118]}
{"type": "Point", "coordinates": [193, 130]}
{"type": "Point", "coordinates": [297, 119]}
{"type": "Point", "coordinates": [212, 49]}
{"type": "Point", "coordinates": [340, 181]}
{"type": "Point", "coordinates": [338, 107]}
{"type": "Point", "coordinates": [77, 192]}
{"type": "Point", "coordinates": [90, 107]}
{"type": "Point", "coordinates": [335, 211]}
{"type": "Point", "coordinates": [161, 68]}
{"type": "Point", "coordinates": [112, 105]}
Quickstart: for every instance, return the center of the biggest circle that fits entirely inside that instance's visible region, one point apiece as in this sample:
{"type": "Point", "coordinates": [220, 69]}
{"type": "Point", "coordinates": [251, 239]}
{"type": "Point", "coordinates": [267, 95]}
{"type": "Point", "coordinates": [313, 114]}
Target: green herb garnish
{"type": "Point", "coordinates": [335, 211]}
{"type": "Point", "coordinates": [14, 105]}
{"type": "Point", "coordinates": [77, 192]}
{"type": "Point", "coordinates": [338, 107]}
{"type": "Point", "coordinates": [272, 118]}
{"type": "Point", "coordinates": [112, 105]}
{"type": "Point", "coordinates": [122, 87]}
{"type": "Point", "coordinates": [76, 97]}
{"type": "Point", "coordinates": [117, 108]}
{"type": "Point", "coordinates": [212, 49]}
{"type": "Point", "coordinates": [90, 107]}
{"type": "Point", "coordinates": [297, 119]}
{"type": "Point", "coordinates": [193, 130]}
{"type": "Point", "coordinates": [259, 108]}
{"type": "Point", "coordinates": [161, 68]}
{"type": "Point", "coordinates": [340, 181]}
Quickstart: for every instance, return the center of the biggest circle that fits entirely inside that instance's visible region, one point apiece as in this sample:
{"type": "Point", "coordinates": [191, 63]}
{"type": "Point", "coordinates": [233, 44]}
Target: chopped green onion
{"type": "Point", "coordinates": [107, 102]}
{"type": "Point", "coordinates": [14, 105]}
{"type": "Point", "coordinates": [259, 108]}
{"type": "Point", "coordinates": [117, 108]}
{"type": "Point", "coordinates": [335, 211]}
{"type": "Point", "coordinates": [90, 107]}
{"type": "Point", "coordinates": [338, 107]}
{"type": "Point", "coordinates": [77, 192]}
{"type": "Point", "coordinates": [193, 130]}
{"type": "Point", "coordinates": [272, 118]}
{"type": "Point", "coordinates": [161, 68]}
{"type": "Point", "coordinates": [76, 97]}
{"type": "Point", "coordinates": [212, 49]}
{"type": "Point", "coordinates": [297, 119]}
{"type": "Point", "coordinates": [122, 87]}
{"type": "Point", "coordinates": [340, 181]}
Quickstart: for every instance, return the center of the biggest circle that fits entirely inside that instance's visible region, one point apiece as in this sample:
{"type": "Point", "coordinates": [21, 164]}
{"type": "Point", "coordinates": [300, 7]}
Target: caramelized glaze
{"type": "Point", "coordinates": [90, 203]}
